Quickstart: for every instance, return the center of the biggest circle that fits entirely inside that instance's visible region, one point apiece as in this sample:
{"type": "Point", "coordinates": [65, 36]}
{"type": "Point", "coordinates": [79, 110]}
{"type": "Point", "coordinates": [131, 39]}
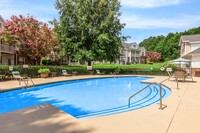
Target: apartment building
{"type": "Point", "coordinates": [6, 52]}
{"type": "Point", "coordinates": [190, 49]}
{"type": "Point", "coordinates": [132, 53]}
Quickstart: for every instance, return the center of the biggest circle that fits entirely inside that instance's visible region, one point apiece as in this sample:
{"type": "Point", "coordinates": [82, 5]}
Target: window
{"type": "Point", "coordinates": [64, 60]}
{"type": "Point", "coordinates": [21, 60]}
{"type": "Point", "coordinates": [142, 53]}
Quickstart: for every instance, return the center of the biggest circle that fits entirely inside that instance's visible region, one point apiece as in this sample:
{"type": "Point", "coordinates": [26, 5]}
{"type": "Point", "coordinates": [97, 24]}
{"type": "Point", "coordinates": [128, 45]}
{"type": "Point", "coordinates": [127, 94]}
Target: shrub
{"type": "Point", "coordinates": [47, 62]}
{"type": "Point", "coordinates": [4, 69]}
{"type": "Point", "coordinates": [169, 64]}
{"type": "Point", "coordinates": [44, 70]}
{"type": "Point", "coordinates": [117, 69]}
{"type": "Point", "coordinates": [32, 71]}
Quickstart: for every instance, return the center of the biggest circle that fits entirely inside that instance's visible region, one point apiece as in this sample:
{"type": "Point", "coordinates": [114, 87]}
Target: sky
{"type": "Point", "coordinates": [143, 18]}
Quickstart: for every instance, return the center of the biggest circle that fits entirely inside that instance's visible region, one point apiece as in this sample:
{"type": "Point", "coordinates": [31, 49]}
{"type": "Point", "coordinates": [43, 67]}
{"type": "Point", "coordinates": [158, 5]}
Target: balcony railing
{"type": "Point", "coordinates": [6, 49]}
{"type": "Point", "coordinates": [136, 55]}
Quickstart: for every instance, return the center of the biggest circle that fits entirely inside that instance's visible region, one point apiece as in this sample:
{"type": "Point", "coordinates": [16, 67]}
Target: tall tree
{"type": "Point", "coordinates": [168, 45]}
{"type": "Point", "coordinates": [151, 42]}
{"type": "Point", "coordinates": [32, 38]}
{"type": "Point", "coordinates": [89, 30]}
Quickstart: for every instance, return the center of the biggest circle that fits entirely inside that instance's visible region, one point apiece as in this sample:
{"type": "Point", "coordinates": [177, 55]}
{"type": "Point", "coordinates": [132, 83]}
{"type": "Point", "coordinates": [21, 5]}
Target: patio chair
{"type": "Point", "coordinates": [99, 73]}
{"type": "Point", "coordinates": [180, 75]}
{"type": "Point", "coordinates": [16, 75]}
{"type": "Point", "coordinates": [64, 73]}
{"type": "Point", "coordinates": [188, 75]}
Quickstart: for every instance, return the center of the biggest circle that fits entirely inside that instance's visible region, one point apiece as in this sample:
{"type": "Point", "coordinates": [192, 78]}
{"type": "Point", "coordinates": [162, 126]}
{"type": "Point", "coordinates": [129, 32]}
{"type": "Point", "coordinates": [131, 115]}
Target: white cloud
{"type": "Point", "coordinates": [149, 3]}
{"type": "Point", "coordinates": [181, 22]}
{"type": "Point", "coordinates": [43, 12]}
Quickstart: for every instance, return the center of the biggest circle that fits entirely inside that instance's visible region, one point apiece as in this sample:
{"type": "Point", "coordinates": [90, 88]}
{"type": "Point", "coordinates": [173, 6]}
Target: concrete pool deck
{"type": "Point", "coordinates": [182, 114]}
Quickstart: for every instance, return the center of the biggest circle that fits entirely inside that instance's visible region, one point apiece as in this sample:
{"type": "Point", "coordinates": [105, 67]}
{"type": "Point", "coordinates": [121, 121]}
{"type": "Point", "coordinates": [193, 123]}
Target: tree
{"type": "Point", "coordinates": [152, 56]}
{"type": "Point", "coordinates": [151, 43]}
{"type": "Point", "coordinates": [170, 48]}
{"type": "Point", "coordinates": [168, 45]}
{"type": "Point", "coordinates": [32, 38]}
{"type": "Point", "coordinates": [89, 30]}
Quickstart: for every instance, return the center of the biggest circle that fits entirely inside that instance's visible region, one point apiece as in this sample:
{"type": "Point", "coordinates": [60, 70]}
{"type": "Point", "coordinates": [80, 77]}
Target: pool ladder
{"type": "Point", "coordinates": [154, 83]}
{"type": "Point", "coordinates": [26, 82]}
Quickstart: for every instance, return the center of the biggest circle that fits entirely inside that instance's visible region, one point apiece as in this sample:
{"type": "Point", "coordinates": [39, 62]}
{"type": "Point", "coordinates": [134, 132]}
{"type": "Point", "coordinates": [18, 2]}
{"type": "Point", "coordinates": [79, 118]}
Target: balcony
{"type": "Point", "coordinates": [135, 55]}
{"type": "Point", "coordinates": [6, 49]}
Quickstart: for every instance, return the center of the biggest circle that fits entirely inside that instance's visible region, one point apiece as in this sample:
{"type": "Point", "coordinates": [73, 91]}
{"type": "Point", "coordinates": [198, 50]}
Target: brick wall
{"type": "Point", "coordinates": [196, 72]}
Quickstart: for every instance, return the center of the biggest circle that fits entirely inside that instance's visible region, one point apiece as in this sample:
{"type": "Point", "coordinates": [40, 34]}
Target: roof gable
{"type": "Point", "coordinates": [132, 45]}
{"type": "Point", "coordinates": [190, 38]}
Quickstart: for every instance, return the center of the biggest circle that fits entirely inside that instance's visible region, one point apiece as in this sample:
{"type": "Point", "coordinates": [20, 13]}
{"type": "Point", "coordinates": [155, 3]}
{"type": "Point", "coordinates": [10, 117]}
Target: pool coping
{"type": "Point", "coordinates": [176, 118]}
{"type": "Point", "coordinates": [96, 76]}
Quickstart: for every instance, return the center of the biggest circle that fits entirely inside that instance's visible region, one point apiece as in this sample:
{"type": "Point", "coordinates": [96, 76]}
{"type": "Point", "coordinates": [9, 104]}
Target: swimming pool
{"type": "Point", "coordinates": [85, 98]}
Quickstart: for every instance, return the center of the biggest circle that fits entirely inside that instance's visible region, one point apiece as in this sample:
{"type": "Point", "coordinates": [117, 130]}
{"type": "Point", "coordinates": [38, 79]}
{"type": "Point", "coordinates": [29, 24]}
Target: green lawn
{"type": "Point", "coordinates": [132, 66]}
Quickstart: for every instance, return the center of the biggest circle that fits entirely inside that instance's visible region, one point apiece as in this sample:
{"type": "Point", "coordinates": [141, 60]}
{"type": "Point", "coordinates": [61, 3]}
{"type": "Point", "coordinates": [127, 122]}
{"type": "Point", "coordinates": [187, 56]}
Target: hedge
{"type": "Point", "coordinates": [32, 71]}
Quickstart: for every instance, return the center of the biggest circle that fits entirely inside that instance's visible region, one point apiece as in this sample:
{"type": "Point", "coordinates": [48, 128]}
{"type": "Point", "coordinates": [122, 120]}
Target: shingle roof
{"type": "Point", "coordinates": [132, 45]}
{"type": "Point", "coordinates": [190, 38]}
{"type": "Point", "coordinates": [197, 51]}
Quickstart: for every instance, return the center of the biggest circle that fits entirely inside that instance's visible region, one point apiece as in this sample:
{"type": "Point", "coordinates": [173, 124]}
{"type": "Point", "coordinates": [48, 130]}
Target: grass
{"type": "Point", "coordinates": [132, 66]}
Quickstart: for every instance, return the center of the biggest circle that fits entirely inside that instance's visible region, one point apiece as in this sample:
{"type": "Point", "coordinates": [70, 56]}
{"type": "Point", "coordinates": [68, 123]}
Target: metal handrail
{"type": "Point", "coordinates": [31, 81]}
{"type": "Point", "coordinates": [129, 100]}
{"type": "Point", "coordinates": [26, 83]}
{"type": "Point", "coordinates": [160, 84]}
{"type": "Point", "coordinates": [163, 80]}
{"type": "Point", "coordinates": [28, 78]}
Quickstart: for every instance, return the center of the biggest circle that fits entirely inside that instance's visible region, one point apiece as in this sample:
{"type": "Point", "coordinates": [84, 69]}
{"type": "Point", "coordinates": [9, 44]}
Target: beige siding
{"type": "Point", "coordinates": [196, 61]}
{"type": "Point", "coordinates": [6, 58]}
{"type": "Point", "coordinates": [195, 46]}
{"type": "Point", "coordinates": [187, 48]}
{"type": "Point", "coordinates": [182, 49]}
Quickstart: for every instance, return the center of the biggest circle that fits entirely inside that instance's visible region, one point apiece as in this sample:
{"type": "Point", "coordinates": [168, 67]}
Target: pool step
{"type": "Point", "coordinates": [152, 97]}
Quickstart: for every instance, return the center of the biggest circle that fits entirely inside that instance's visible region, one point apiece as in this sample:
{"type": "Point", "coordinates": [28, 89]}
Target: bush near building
{"type": "Point", "coordinates": [145, 69]}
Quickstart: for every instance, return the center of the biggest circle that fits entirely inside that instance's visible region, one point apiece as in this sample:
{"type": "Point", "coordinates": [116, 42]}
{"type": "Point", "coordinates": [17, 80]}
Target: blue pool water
{"type": "Point", "coordinates": [85, 98]}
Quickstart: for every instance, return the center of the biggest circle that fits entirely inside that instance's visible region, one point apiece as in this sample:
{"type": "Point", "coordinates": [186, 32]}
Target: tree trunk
{"type": "Point", "coordinates": [89, 63]}
{"type": "Point", "coordinates": [69, 60]}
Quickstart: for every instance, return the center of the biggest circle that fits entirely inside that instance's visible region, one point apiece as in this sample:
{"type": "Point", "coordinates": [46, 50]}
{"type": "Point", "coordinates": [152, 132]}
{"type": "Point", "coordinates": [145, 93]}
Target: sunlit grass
{"type": "Point", "coordinates": [132, 66]}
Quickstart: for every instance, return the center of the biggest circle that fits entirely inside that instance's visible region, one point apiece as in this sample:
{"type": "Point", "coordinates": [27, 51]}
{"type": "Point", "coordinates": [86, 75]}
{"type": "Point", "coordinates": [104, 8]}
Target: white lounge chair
{"type": "Point", "coordinates": [99, 73]}
{"type": "Point", "coordinates": [64, 73]}
{"type": "Point", "coordinates": [16, 75]}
